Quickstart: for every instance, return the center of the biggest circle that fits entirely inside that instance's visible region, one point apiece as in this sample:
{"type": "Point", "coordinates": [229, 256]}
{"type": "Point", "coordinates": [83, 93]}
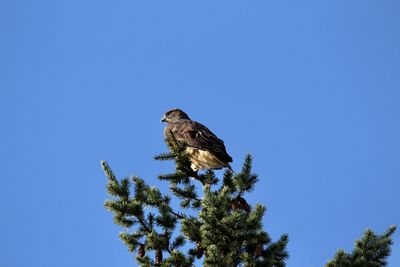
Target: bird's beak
{"type": "Point", "coordinates": [163, 119]}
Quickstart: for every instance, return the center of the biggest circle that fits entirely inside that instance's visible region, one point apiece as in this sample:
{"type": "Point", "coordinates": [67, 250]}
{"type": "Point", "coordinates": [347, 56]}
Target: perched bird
{"type": "Point", "coordinates": [205, 149]}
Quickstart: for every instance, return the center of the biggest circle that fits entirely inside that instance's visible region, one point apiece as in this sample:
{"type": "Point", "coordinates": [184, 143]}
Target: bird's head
{"type": "Point", "coordinates": [174, 115]}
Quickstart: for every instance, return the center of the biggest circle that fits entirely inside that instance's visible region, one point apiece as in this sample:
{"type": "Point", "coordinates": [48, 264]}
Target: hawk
{"type": "Point", "coordinates": [205, 149]}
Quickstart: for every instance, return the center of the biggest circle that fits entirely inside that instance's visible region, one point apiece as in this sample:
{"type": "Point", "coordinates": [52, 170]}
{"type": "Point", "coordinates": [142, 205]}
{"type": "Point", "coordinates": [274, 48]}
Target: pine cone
{"type": "Point", "coordinates": [243, 204]}
{"type": "Point", "coordinates": [240, 203]}
{"type": "Point", "coordinates": [159, 256]}
{"type": "Point", "coordinates": [258, 250]}
{"type": "Point", "coordinates": [141, 251]}
{"type": "Point", "coordinates": [200, 251]}
{"type": "Point", "coordinates": [235, 204]}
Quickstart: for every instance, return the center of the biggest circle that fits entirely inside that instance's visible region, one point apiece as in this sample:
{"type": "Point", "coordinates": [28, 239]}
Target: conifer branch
{"type": "Point", "coordinates": [370, 250]}
{"type": "Point", "coordinates": [223, 228]}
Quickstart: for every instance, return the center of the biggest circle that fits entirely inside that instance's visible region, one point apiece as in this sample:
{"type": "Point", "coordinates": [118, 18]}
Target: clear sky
{"type": "Point", "coordinates": [310, 88]}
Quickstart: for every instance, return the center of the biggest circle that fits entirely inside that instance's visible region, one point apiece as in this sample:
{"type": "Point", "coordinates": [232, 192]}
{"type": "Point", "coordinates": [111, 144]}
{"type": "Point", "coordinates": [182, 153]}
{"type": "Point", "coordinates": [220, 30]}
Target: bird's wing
{"type": "Point", "coordinates": [196, 135]}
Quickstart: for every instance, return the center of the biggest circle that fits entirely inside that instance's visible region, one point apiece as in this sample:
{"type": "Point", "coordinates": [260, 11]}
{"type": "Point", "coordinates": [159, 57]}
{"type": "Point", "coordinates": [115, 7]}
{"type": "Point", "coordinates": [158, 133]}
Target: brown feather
{"type": "Point", "coordinates": [205, 149]}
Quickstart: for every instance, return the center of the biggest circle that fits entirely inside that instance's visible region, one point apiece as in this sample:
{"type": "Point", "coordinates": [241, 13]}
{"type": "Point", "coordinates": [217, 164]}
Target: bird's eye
{"type": "Point", "coordinates": [193, 134]}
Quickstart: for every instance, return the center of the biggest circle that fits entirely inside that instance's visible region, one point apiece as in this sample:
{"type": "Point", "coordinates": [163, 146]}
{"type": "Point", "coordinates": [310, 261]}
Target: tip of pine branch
{"type": "Point", "coordinates": [103, 163]}
{"type": "Point", "coordinates": [392, 229]}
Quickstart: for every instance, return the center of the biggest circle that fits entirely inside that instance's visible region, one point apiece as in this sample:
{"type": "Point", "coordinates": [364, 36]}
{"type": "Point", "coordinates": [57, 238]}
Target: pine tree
{"type": "Point", "coordinates": [370, 251]}
{"type": "Point", "coordinates": [221, 227]}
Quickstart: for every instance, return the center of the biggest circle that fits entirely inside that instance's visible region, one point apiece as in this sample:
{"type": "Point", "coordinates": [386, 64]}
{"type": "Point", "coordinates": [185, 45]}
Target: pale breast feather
{"type": "Point", "coordinates": [202, 159]}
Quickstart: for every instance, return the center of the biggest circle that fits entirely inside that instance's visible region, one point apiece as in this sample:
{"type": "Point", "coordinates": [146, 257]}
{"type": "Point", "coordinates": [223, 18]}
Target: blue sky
{"type": "Point", "coordinates": [310, 88]}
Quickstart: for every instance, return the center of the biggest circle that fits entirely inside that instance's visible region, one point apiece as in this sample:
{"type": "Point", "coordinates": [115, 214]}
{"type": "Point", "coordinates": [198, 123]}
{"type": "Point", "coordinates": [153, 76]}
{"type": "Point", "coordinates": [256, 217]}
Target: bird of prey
{"type": "Point", "coordinates": [205, 149]}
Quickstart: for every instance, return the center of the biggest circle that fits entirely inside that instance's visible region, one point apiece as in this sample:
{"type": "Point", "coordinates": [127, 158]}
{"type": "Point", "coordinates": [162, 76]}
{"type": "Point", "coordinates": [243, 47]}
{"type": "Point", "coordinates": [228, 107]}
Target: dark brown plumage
{"type": "Point", "coordinates": [205, 149]}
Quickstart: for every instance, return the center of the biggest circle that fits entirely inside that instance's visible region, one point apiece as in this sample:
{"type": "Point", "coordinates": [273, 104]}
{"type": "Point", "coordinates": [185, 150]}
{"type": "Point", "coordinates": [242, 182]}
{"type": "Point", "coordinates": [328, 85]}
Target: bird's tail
{"type": "Point", "coordinates": [230, 167]}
